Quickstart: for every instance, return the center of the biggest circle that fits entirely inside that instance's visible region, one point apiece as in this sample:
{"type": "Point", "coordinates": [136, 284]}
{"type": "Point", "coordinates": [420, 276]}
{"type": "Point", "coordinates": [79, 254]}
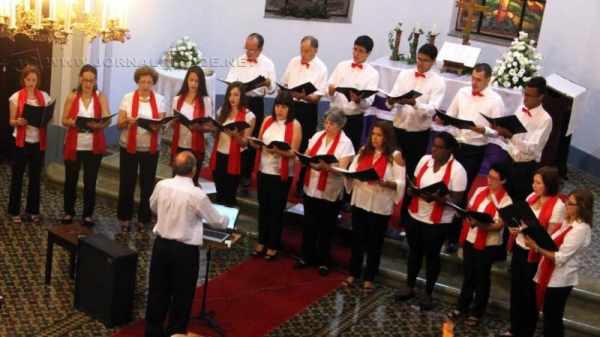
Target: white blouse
{"type": "Point", "coordinates": [494, 238]}
{"type": "Point", "coordinates": [558, 216]}
{"type": "Point", "coordinates": [567, 259]}
{"type": "Point", "coordinates": [187, 109]}
{"type": "Point", "coordinates": [224, 138]}
{"type": "Point", "coordinates": [85, 140]}
{"type": "Point", "coordinates": [144, 111]}
{"type": "Point", "coordinates": [373, 197]}
{"type": "Point", "coordinates": [32, 134]}
{"type": "Point", "coordinates": [335, 182]}
{"type": "Point", "coordinates": [270, 163]}
{"type": "Point", "coordinates": [458, 183]}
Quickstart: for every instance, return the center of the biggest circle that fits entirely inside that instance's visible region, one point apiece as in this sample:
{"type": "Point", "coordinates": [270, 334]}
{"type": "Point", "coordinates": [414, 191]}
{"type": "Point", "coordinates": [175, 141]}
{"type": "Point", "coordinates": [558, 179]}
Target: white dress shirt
{"type": "Point", "coordinates": [468, 107]}
{"type": "Point", "coordinates": [32, 134]}
{"type": "Point", "coordinates": [417, 118]}
{"type": "Point", "coordinates": [529, 146]}
{"type": "Point", "coordinates": [344, 75]}
{"type": "Point", "coordinates": [85, 140]}
{"type": "Point", "coordinates": [187, 109]}
{"type": "Point", "coordinates": [224, 138]}
{"type": "Point", "coordinates": [458, 183]}
{"type": "Point", "coordinates": [297, 74]}
{"type": "Point", "coordinates": [270, 163]}
{"type": "Point", "coordinates": [373, 197]}
{"type": "Point", "coordinates": [245, 71]}
{"type": "Point", "coordinates": [180, 208]}
{"type": "Point", "coordinates": [144, 111]}
{"type": "Point", "coordinates": [567, 259]}
{"type": "Point", "coordinates": [558, 216]}
{"type": "Point", "coordinates": [335, 182]}
{"type": "Point", "coordinates": [494, 238]}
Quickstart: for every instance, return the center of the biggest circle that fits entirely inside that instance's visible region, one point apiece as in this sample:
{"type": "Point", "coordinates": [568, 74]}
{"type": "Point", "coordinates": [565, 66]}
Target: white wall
{"type": "Point", "coordinates": [220, 27]}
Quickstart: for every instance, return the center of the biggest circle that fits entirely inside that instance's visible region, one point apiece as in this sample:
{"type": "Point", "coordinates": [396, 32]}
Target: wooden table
{"type": "Point", "coordinates": [66, 236]}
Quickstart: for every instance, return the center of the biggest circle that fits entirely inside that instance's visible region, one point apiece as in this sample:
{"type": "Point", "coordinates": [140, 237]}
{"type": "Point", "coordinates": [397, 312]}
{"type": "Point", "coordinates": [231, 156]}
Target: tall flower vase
{"type": "Point", "coordinates": [414, 44]}
{"type": "Point", "coordinates": [396, 50]}
{"type": "Point", "coordinates": [431, 38]}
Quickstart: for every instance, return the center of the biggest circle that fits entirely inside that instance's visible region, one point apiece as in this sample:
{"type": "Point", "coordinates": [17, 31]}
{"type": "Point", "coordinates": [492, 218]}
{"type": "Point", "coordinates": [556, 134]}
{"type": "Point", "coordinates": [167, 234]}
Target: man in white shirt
{"type": "Point", "coordinates": [357, 74]}
{"type": "Point", "coordinates": [245, 69]}
{"type": "Point", "coordinates": [525, 149]}
{"type": "Point", "coordinates": [302, 69]}
{"type": "Point", "coordinates": [181, 209]}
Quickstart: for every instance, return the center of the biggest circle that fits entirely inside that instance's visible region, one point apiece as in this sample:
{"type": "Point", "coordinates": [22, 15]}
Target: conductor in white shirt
{"type": "Point", "coordinates": [181, 209]}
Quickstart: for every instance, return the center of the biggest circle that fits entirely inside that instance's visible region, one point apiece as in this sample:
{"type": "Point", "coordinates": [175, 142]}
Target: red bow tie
{"type": "Point", "coordinates": [357, 65]}
{"type": "Point", "coordinates": [477, 93]}
{"type": "Point", "coordinates": [252, 61]}
{"type": "Point", "coordinates": [305, 64]}
{"type": "Point", "coordinates": [418, 74]}
{"type": "Point", "coordinates": [525, 110]}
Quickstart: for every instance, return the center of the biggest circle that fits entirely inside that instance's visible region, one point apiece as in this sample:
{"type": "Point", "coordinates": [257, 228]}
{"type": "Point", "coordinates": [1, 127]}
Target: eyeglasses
{"type": "Point", "coordinates": [570, 203]}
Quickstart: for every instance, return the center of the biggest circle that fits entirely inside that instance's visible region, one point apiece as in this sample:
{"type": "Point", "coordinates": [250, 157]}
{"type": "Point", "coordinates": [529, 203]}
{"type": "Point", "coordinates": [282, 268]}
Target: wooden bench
{"type": "Point", "coordinates": [66, 236]}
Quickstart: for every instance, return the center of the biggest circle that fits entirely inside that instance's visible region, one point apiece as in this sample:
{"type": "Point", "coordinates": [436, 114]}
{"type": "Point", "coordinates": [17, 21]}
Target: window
{"type": "Point", "coordinates": [334, 10]}
{"type": "Point", "coordinates": [506, 18]}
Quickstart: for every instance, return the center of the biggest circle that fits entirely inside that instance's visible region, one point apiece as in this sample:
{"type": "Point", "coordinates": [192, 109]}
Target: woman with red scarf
{"type": "Point", "coordinates": [550, 210]}
{"type": "Point", "coordinates": [373, 201]}
{"type": "Point", "coordinates": [323, 189]}
{"type": "Point", "coordinates": [226, 159]}
{"type": "Point", "coordinates": [30, 145]}
{"type": "Point", "coordinates": [557, 271]}
{"type": "Point", "coordinates": [275, 172]}
{"type": "Point", "coordinates": [193, 102]}
{"type": "Point", "coordinates": [481, 243]}
{"type": "Point", "coordinates": [84, 147]}
{"type": "Point", "coordinates": [139, 147]}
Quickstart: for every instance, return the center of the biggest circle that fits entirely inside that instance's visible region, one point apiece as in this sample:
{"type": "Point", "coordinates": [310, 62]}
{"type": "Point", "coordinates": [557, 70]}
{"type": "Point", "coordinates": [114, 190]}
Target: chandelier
{"type": "Point", "coordinates": [55, 20]}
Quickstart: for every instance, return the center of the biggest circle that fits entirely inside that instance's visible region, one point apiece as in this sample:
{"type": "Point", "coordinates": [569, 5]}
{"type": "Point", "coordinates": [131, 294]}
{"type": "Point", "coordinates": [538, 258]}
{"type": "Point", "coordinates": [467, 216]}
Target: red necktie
{"type": "Point", "coordinates": [305, 64]}
{"type": "Point", "coordinates": [525, 110]}
{"type": "Point", "coordinates": [477, 93]}
{"type": "Point", "coordinates": [418, 74]}
{"type": "Point", "coordinates": [252, 61]}
{"type": "Point", "coordinates": [357, 65]}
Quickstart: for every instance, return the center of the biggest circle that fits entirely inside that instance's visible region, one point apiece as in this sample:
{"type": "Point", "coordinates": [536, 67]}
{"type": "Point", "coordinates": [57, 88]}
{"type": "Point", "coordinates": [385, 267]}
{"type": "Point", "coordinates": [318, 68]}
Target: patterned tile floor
{"type": "Point", "coordinates": [33, 309]}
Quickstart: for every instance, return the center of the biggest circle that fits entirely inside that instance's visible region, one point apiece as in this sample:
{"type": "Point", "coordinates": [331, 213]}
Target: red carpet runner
{"type": "Point", "coordinates": [255, 297]}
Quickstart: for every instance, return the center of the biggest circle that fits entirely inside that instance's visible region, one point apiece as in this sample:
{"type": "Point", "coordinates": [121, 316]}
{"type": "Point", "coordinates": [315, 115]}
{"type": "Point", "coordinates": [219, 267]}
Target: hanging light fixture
{"type": "Point", "coordinates": [55, 20]}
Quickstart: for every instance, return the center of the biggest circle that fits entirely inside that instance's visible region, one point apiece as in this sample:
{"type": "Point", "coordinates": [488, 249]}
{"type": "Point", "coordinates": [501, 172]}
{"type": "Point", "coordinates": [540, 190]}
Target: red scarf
{"type": "Point", "coordinates": [99, 142]}
{"type": "Point", "coordinates": [543, 218]}
{"type": "Point", "coordinates": [289, 131]}
{"type": "Point", "coordinates": [546, 268]}
{"type": "Point", "coordinates": [197, 136]}
{"type": "Point", "coordinates": [234, 160]}
{"type": "Point", "coordinates": [365, 162]}
{"type": "Point", "coordinates": [438, 209]}
{"type": "Point", "coordinates": [21, 130]}
{"type": "Point", "coordinates": [135, 106]}
{"type": "Point", "coordinates": [313, 152]}
{"type": "Point", "coordinates": [490, 209]}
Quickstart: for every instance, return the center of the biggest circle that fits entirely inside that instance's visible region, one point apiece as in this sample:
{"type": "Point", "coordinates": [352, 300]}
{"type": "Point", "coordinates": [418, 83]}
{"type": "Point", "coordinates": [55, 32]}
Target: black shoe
{"type": "Point", "coordinates": [88, 222]}
{"type": "Point", "coordinates": [300, 264]}
{"type": "Point", "coordinates": [451, 248]}
{"type": "Point", "coordinates": [404, 294]}
{"type": "Point", "coordinates": [426, 303]}
{"type": "Point", "coordinates": [323, 270]}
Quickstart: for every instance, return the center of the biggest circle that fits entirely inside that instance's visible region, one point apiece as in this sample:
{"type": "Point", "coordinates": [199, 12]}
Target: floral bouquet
{"type": "Point", "coordinates": [183, 54]}
{"type": "Point", "coordinates": [519, 64]}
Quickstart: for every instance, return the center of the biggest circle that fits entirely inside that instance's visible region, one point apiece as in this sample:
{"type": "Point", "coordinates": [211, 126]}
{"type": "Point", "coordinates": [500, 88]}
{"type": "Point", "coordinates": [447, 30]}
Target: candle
{"type": "Point", "coordinates": [124, 13]}
{"type": "Point", "coordinates": [38, 13]}
{"type": "Point", "coordinates": [104, 14]}
{"type": "Point", "coordinates": [52, 10]}
{"type": "Point", "coordinates": [68, 15]}
{"type": "Point", "coordinates": [27, 4]}
{"type": "Point", "coordinates": [87, 6]}
{"type": "Point", "coordinates": [434, 29]}
{"type": "Point", "coordinates": [13, 15]}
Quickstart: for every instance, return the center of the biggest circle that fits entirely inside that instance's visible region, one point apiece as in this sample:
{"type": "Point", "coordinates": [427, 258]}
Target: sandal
{"type": "Point", "coordinates": [348, 282]}
{"type": "Point", "coordinates": [272, 256]}
{"type": "Point", "coordinates": [35, 219]}
{"type": "Point", "coordinates": [67, 219]}
{"type": "Point", "coordinates": [472, 321]}
{"type": "Point", "coordinates": [454, 314]}
{"type": "Point", "coordinates": [368, 286]}
{"type": "Point", "coordinates": [124, 226]}
{"type": "Point", "coordinates": [258, 252]}
{"type": "Point", "coordinates": [88, 222]}
{"type": "Point", "coordinates": [16, 220]}
{"type": "Point", "coordinates": [141, 227]}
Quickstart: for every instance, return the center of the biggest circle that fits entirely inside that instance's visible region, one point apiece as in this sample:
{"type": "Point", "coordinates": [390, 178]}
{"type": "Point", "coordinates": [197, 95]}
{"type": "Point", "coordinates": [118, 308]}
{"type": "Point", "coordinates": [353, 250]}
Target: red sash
{"type": "Point", "coordinates": [436, 215]}
{"type": "Point", "coordinates": [135, 106]}
{"type": "Point", "coordinates": [490, 209]}
{"type": "Point", "coordinates": [313, 152]}
{"type": "Point", "coordinates": [365, 162]}
{"type": "Point", "coordinates": [99, 142]}
{"type": "Point", "coordinates": [546, 268]}
{"type": "Point", "coordinates": [197, 136]}
{"type": "Point", "coordinates": [21, 130]}
{"type": "Point", "coordinates": [289, 131]}
{"type": "Point", "coordinates": [234, 160]}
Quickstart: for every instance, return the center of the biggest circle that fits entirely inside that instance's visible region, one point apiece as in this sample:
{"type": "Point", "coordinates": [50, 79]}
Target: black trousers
{"type": "Point", "coordinates": [519, 185]}
{"type": "Point", "coordinates": [31, 158]}
{"type": "Point", "coordinates": [320, 218]}
{"type": "Point", "coordinates": [257, 106]}
{"type": "Point", "coordinates": [199, 161]}
{"type": "Point", "coordinates": [91, 164]}
{"type": "Point", "coordinates": [555, 301]}
{"type": "Point", "coordinates": [368, 231]}
{"type": "Point", "coordinates": [424, 241]}
{"type": "Point", "coordinates": [226, 184]}
{"type": "Point", "coordinates": [354, 129]}
{"type": "Point", "coordinates": [477, 266]}
{"type": "Point", "coordinates": [523, 312]}
{"type": "Point", "coordinates": [307, 115]}
{"type": "Point", "coordinates": [272, 198]}
{"type": "Point", "coordinates": [132, 166]}
{"type": "Point", "coordinates": [172, 283]}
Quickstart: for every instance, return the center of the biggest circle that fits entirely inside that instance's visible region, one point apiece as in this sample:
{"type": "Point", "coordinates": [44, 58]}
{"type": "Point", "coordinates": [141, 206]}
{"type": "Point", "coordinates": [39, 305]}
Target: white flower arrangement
{"type": "Point", "coordinates": [183, 54]}
{"type": "Point", "coordinates": [519, 64]}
